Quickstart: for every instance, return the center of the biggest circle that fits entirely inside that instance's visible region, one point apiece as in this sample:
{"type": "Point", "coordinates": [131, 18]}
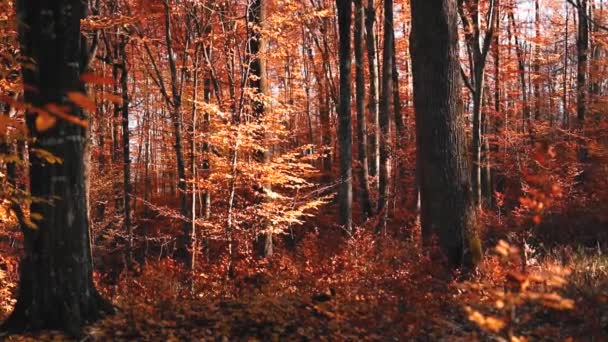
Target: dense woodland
{"type": "Point", "coordinates": [304, 170]}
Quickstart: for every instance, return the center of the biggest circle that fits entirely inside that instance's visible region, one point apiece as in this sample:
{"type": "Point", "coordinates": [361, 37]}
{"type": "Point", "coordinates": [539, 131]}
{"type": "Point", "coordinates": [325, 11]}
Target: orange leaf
{"type": "Point", "coordinates": [44, 121]}
{"type": "Point", "coordinates": [91, 78]}
{"type": "Point", "coordinates": [113, 98]}
{"type": "Point", "coordinates": [60, 112]}
{"type": "Point", "coordinates": [82, 100]}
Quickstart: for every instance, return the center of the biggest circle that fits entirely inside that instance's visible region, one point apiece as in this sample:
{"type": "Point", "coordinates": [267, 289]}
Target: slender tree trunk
{"type": "Point", "coordinates": [56, 289]}
{"type": "Point", "coordinates": [374, 91]}
{"type": "Point", "coordinates": [385, 113]}
{"type": "Point", "coordinates": [126, 148]}
{"type": "Point", "coordinates": [259, 82]}
{"type": "Point", "coordinates": [565, 104]}
{"type": "Point", "coordinates": [345, 139]}
{"type": "Point", "coordinates": [537, 61]}
{"type": "Point", "coordinates": [361, 119]}
{"type": "Point", "coordinates": [447, 209]}
{"type": "Point", "coordinates": [206, 165]}
{"type": "Point", "coordinates": [400, 130]}
{"type": "Point", "coordinates": [477, 130]}
{"type": "Point", "coordinates": [176, 118]}
{"type": "Point", "coordinates": [521, 65]}
{"type": "Point", "coordinates": [193, 155]}
{"type": "Point", "coordinates": [478, 47]}
{"type": "Point", "coordinates": [582, 49]}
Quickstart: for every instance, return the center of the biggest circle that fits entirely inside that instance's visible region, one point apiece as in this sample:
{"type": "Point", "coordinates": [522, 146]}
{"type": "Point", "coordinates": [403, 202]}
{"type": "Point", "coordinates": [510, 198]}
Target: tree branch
{"type": "Point", "coordinates": [593, 21]}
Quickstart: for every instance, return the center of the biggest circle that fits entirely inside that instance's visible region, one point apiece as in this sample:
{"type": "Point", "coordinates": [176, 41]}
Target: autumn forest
{"type": "Point", "coordinates": [236, 170]}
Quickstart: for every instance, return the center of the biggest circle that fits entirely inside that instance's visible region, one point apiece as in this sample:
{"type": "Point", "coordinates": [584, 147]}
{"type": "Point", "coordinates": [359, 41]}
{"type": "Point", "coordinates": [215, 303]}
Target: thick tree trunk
{"type": "Point", "coordinates": [345, 138]}
{"type": "Point", "coordinates": [447, 209]}
{"type": "Point", "coordinates": [56, 289]}
{"type": "Point", "coordinates": [361, 119]}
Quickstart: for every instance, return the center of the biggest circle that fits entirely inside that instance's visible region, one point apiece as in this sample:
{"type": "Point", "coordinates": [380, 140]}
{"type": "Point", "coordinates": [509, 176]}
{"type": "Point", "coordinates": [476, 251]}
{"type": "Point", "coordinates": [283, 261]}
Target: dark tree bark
{"type": "Point", "coordinates": [400, 129]}
{"type": "Point", "coordinates": [582, 88]}
{"type": "Point", "coordinates": [521, 67]}
{"type": "Point", "coordinates": [478, 47]}
{"type": "Point", "coordinates": [566, 113]}
{"type": "Point", "coordinates": [374, 91]}
{"type": "Point", "coordinates": [345, 134]}
{"type": "Point", "coordinates": [537, 62]}
{"type": "Point", "coordinates": [259, 82]}
{"type": "Point", "coordinates": [385, 113]}
{"type": "Point", "coordinates": [361, 119]}
{"type": "Point", "coordinates": [126, 147]}
{"type": "Point", "coordinates": [56, 289]}
{"type": "Point", "coordinates": [447, 209]}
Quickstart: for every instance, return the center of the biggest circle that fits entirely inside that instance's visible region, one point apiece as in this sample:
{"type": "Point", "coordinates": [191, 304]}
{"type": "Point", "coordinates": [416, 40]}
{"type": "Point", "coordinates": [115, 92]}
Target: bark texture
{"type": "Point", "coordinates": [447, 209]}
{"type": "Point", "coordinates": [345, 134]}
{"type": "Point", "coordinates": [56, 288]}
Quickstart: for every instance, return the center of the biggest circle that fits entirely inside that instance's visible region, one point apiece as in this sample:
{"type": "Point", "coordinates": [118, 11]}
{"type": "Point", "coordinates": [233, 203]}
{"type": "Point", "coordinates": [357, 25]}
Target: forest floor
{"type": "Point", "coordinates": [366, 288]}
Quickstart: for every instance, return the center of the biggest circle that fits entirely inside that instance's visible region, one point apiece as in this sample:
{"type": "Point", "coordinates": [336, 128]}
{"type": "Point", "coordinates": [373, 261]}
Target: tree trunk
{"type": "Point", "coordinates": [447, 209]}
{"type": "Point", "coordinates": [259, 82]}
{"type": "Point", "coordinates": [374, 91]}
{"type": "Point", "coordinates": [126, 154]}
{"type": "Point", "coordinates": [537, 61]}
{"type": "Point", "coordinates": [582, 49]}
{"type": "Point", "coordinates": [521, 66]}
{"type": "Point", "coordinates": [176, 118]}
{"type": "Point", "coordinates": [400, 130]}
{"type": "Point", "coordinates": [477, 128]}
{"type": "Point", "coordinates": [345, 191]}
{"type": "Point", "coordinates": [566, 112]}
{"type": "Point", "coordinates": [385, 113]}
{"type": "Point", "coordinates": [56, 289]}
{"type": "Point", "coordinates": [361, 119]}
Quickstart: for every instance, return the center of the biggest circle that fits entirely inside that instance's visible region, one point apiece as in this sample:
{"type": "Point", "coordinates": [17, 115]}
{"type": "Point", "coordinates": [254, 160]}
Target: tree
{"type": "Point", "coordinates": [56, 289]}
{"type": "Point", "coordinates": [447, 208]}
{"type": "Point", "coordinates": [174, 101]}
{"type": "Point", "coordinates": [478, 46]}
{"type": "Point", "coordinates": [259, 82]}
{"type": "Point", "coordinates": [361, 119]}
{"type": "Point", "coordinates": [345, 138]}
{"type": "Point", "coordinates": [582, 87]}
{"type": "Point", "coordinates": [385, 112]}
{"type": "Point", "coordinates": [374, 103]}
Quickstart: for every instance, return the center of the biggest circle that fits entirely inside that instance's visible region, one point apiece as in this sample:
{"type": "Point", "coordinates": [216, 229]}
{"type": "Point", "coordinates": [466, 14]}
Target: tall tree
{"type": "Point", "coordinates": [256, 49]}
{"type": "Point", "coordinates": [173, 99]}
{"type": "Point", "coordinates": [447, 208]}
{"type": "Point", "coordinates": [478, 45]}
{"type": "Point", "coordinates": [537, 61]}
{"type": "Point", "coordinates": [126, 145]}
{"type": "Point", "coordinates": [56, 289]}
{"type": "Point", "coordinates": [582, 87]}
{"type": "Point", "coordinates": [374, 87]}
{"type": "Point", "coordinates": [345, 134]}
{"type": "Point", "coordinates": [361, 119]}
{"type": "Point", "coordinates": [385, 112]}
